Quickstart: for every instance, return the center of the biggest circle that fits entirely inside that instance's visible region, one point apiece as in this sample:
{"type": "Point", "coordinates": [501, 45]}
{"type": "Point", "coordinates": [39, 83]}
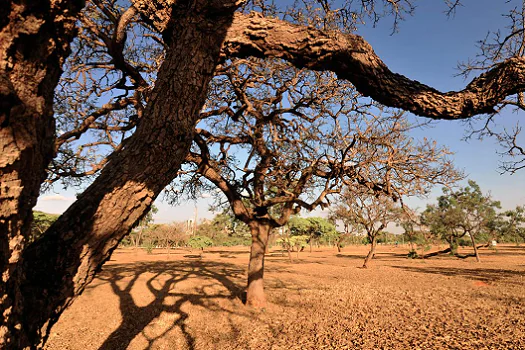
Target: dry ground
{"type": "Point", "coordinates": [320, 301]}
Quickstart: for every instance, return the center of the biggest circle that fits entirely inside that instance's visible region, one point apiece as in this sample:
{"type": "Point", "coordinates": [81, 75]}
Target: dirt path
{"type": "Point", "coordinates": [320, 301]}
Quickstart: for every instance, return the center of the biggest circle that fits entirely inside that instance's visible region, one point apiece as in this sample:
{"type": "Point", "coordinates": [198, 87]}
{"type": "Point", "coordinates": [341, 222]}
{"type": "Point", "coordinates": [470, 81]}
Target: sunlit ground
{"type": "Point", "coordinates": [321, 300]}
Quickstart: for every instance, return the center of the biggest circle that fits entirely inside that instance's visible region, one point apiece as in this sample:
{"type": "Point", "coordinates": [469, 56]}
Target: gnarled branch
{"type": "Point", "coordinates": [352, 58]}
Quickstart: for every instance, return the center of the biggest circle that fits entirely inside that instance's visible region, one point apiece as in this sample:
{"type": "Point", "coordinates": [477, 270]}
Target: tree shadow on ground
{"type": "Point", "coordinates": [512, 247]}
{"type": "Point", "coordinates": [228, 252]}
{"type": "Point", "coordinates": [484, 275]}
{"type": "Point", "coordinates": [162, 284]}
{"type": "Point", "coordinates": [377, 256]}
{"type": "Point", "coordinates": [351, 256]}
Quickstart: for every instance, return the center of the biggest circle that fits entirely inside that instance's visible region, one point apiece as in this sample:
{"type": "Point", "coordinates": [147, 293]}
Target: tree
{"type": "Point", "coordinates": [225, 229]}
{"type": "Point", "coordinates": [368, 212]}
{"type": "Point", "coordinates": [35, 42]}
{"type": "Point", "coordinates": [466, 211]}
{"type": "Point", "coordinates": [167, 235]}
{"type": "Point", "coordinates": [200, 242]}
{"type": "Point", "coordinates": [315, 228]}
{"type": "Point", "coordinates": [414, 231]}
{"type": "Point", "coordinates": [339, 213]}
{"type": "Point", "coordinates": [272, 158]}
{"type": "Point", "coordinates": [126, 187]}
{"type": "Point", "coordinates": [136, 235]}
{"type": "Point", "coordinates": [514, 226]}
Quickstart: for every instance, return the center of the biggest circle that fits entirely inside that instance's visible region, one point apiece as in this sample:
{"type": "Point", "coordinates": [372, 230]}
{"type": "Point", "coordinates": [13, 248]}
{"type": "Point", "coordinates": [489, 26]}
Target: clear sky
{"type": "Point", "coordinates": [427, 48]}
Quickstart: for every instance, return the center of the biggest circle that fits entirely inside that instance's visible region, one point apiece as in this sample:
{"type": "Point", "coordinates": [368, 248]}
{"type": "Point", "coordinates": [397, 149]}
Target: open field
{"type": "Point", "coordinates": [319, 301]}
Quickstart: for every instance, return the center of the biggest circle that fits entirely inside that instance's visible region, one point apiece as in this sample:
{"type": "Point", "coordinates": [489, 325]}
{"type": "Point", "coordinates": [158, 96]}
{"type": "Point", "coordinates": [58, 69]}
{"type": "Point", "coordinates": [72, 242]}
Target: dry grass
{"type": "Point", "coordinates": [320, 301]}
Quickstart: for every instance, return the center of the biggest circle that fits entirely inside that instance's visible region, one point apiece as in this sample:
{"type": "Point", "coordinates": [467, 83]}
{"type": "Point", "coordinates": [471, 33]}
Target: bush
{"type": "Point", "coordinates": [200, 242]}
{"type": "Point", "coordinates": [148, 246]}
{"type": "Point", "coordinates": [233, 241]}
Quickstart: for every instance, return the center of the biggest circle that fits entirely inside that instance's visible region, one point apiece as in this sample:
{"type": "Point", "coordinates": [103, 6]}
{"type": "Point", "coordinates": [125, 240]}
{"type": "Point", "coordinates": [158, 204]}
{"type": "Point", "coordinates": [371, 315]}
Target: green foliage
{"type": "Point", "coordinates": [460, 213]}
{"type": "Point", "coordinates": [385, 237]}
{"type": "Point", "coordinates": [234, 241]}
{"type": "Point", "coordinates": [147, 220]}
{"type": "Point", "coordinates": [332, 237]}
{"type": "Point", "coordinates": [299, 242]}
{"type": "Point", "coordinates": [141, 231]}
{"type": "Point", "coordinates": [225, 230]}
{"type": "Point", "coordinates": [291, 243]}
{"type": "Point", "coordinates": [513, 226]}
{"type": "Point", "coordinates": [314, 228]}
{"type": "Point", "coordinates": [298, 225]}
{"type": "Point", "coordinates": [148, 246]}
{"type": "Point", "coordinates": [41, 222]}
{"type": "Point", "coordinates": [200, 242]}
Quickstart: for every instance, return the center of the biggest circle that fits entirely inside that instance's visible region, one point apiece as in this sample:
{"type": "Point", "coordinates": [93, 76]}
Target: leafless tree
{"type": "Point", "coordinates": [197, 36]}
{"type": "Point", "coordinates": [168, 235]}
{"type": "Point", "coordinates": [277, 139]}
{"type": "Point", "coordinates": [368, 212]}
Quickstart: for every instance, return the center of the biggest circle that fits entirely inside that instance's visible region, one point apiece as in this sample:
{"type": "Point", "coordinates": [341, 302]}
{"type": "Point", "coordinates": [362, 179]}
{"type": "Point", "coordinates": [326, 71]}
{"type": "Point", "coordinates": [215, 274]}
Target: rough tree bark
{"type": "Point", "coordinates": [260, 230]}
{"type": "Point", "coordinates": [59, 266]}
{"type": "Point", "coordinates": [35, 40]}
{"type": "Point", "coordinates": [372, 252]}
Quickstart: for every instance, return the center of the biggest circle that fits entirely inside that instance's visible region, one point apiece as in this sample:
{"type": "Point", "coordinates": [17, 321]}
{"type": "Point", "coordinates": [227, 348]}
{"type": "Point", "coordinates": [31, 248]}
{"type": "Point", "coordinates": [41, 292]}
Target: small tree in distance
{"type": "Point", "coordinates": [169, 235]}
{"type": "Point", "coordinates": [368, 212]}
{"type": "Point", "coordinates": [464, 212]}
{"type": "Point", "coordinates": [514, 226]}
{"type": "Point", "coordinates": [136, 236]}
{"type": "Point", "coordinates": [200, 242]}
{"type": "Point", "coordinates": [41, 222]}
{"type": "Point", "coordinates": [314, 228]}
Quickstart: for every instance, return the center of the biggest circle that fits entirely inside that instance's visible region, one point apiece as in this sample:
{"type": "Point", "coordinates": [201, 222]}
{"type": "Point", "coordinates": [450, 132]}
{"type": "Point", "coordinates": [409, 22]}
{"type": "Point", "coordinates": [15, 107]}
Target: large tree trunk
{"type": "Point", "coordinates": [255, 293]}
{"type": "Point", "coordinates": [35, 40]}
{"type": "Point", "coordinates": [372, 252]}
{"type": "Point", "coordinates": [64, 261]}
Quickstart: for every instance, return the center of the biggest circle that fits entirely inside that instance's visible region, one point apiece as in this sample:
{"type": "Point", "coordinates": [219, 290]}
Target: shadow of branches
{"type": "Point", "coordinates": [162, 281]}
{"type": "Point", "coordinates": [477, 274]}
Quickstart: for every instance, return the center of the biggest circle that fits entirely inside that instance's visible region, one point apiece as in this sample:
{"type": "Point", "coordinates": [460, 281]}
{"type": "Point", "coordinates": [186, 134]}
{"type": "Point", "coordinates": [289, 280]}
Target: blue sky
{"type": "Point", "coordinates": [427, 48]}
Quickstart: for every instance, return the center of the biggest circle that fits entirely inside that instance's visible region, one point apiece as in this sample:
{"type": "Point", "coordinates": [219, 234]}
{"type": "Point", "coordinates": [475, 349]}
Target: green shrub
{"type": "Point", "coordinates": [233, 241]}
{"type": "Point", "coordinates": [200, 242]}
{"type": "Point", "coordinates": [148, 246]}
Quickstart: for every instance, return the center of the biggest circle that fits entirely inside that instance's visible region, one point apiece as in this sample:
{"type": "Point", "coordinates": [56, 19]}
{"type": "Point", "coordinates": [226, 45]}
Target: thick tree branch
{"type": "Point", "coordinates": [352, 58]}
